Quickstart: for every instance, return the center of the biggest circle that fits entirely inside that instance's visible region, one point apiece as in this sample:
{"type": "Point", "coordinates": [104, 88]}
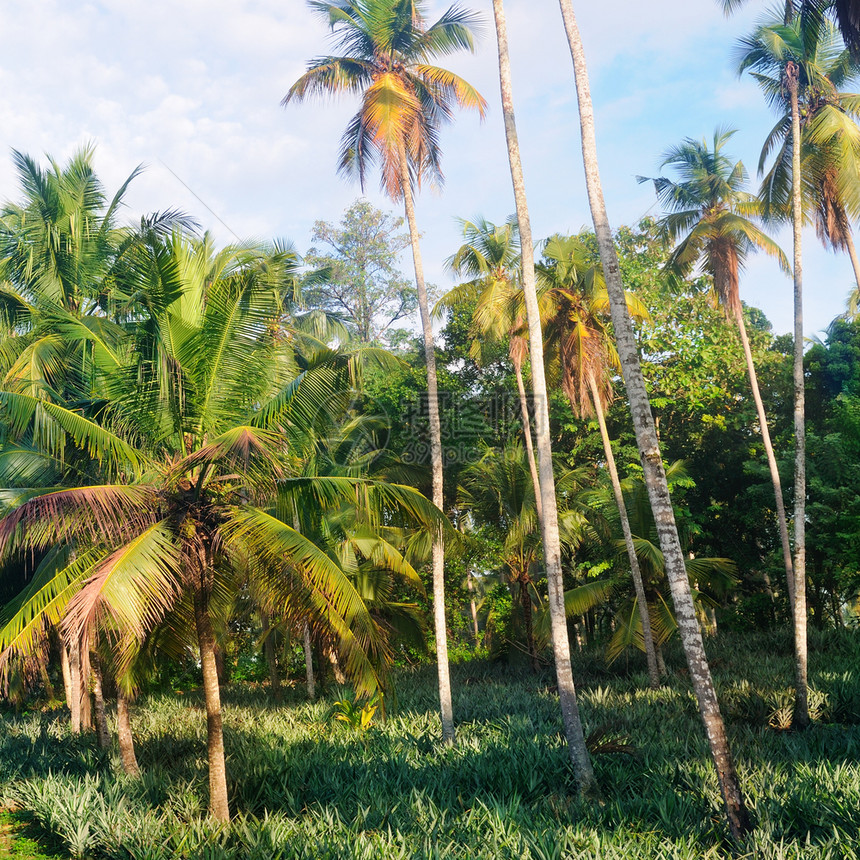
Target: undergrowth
{"type": "Point", "coordinates": [305, 785]}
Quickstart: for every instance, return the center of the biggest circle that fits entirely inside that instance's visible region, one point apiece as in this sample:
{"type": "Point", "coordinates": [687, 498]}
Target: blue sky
{"type": "Point", "coordinates": [192, 90]}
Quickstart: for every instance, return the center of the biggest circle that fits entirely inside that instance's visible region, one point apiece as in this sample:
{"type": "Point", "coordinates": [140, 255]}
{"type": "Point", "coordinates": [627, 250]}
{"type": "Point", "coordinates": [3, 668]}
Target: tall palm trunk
{"type": "Point", "coordinates": [771, 458]}
{"type": "Point", "coordinates": [649, 451]}
{"type": "Point", "coordinates": [527, 436]}
{"type": "Point", "coordinates": [439, 625]}
{"type": "Point", "coordinates": [218, 802]}
{"type": "Point", "coordinates": [635, 571]}
{"type": "Point", "coordinates": [124, 736]}
{"type": "Point", "coordinates": [549, 525]}
{"type": "Point", "coordinates": [309, 662]}
{"type": "Point", "coordinates": [801, 698]}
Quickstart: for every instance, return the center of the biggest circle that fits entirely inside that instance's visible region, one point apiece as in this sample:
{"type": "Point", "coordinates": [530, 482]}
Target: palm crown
{"type": "Point", "coordinates": [387, 50]}
{"type": "Point", "coordinates": [708, 215]}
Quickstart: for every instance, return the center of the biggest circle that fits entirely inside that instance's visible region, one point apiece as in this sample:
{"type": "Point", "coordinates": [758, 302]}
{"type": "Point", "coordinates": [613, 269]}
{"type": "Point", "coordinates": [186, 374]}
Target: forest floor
{"type": "Point", "coordinates": [305, 785]}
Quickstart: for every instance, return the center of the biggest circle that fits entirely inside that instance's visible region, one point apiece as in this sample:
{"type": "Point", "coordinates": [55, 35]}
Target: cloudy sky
{"type": "Point", "coordinates": [191, 89]}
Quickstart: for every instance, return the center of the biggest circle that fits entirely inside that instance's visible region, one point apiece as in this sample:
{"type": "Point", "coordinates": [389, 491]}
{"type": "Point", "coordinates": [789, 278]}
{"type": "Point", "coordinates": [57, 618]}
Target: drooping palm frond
{"type": "Point", "coordinates": [130, 589]}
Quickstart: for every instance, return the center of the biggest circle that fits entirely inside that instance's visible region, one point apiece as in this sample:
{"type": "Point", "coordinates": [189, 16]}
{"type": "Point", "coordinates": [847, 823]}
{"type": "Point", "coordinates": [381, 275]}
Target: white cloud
{"type": "Point", "coordinates": [196, 85]}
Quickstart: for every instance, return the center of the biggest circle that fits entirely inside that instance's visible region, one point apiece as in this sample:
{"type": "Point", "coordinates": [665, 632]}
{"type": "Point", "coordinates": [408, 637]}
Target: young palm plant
{"type": "Point", "coordinates": [388, 50]}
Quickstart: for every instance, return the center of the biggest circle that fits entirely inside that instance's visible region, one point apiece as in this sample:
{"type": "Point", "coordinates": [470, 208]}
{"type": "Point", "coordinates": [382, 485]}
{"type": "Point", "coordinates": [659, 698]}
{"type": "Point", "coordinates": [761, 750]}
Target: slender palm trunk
{"type": "Point", "coordinates": [549, 526]}
{"type": "Point", "coordinates": [85, 692]}
{"type": "Point", "coordinates": [100, 714]}
{"type": "Point", "coordinates": [649, 450]}
{"type": "Point", "coordinates": [124, 736]}
{"type": "Point", "coordinates": [66, 671]}
{"type": "Point", "coordinates": [218, 803]}
{"type": "Point", "coordinates": [771, 458]}
{"type": "Point", "coordinates": [636, 573]}
{"type": "Point", "coordinates": [439, 624]}
{"type": "Point", "coordinates": [75, 698]}
{"type": "Point", "coordinates": [309, 662]}
{"type": "Point", "coordinates": [271, 657]}
{"type": "Point", "coordinates": [527, 436]}
{"type": "Point", "coordinates": [801, 698]}
{"type": "Point", "coordinates": [472, 607]}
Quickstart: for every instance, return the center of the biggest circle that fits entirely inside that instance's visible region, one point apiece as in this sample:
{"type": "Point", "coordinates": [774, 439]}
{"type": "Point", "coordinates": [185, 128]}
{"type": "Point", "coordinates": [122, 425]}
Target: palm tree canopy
{"type": "Point", "coordinates": [574, 306]}
{"type": "Point", "coordinates": [387, 49]}
{"type": "Point", "coordinates": [707, 215]}
{"type": "Point", "coordinates": [830, 137]}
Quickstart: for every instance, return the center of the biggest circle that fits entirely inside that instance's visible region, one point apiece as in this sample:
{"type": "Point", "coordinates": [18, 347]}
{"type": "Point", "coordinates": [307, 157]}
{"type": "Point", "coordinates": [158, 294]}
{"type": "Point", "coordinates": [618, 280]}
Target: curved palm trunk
{"type": "Point", "coordinates": [439, 625]}
{"type": "Point", "coordinates": [549, 525]}
{"type": "Point", "coordinates": [801, 698]}
{"type": "Point", "coordinates": [649, 451]}
{"type": "Point", "coordinates": [771, 458]}
{"type": "Point", "coordinates": [635, 572]}
{"type": "Point", "coordinates": [527, 436]}
{"type": "Point", "coordinates": [852, 255]}
{"type": "Point", "coordinates": [124, 736]}
{"type": "Point", "coordinates": [218, 803]}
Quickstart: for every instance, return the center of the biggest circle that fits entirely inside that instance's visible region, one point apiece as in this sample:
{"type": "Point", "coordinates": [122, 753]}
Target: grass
{"type": "Point", "coordinates": [304, 785]}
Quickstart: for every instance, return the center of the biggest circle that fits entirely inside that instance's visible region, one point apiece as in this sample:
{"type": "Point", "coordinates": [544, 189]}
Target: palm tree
{"type": "Point", "coordinates": [491, 257]}
{"type": "Point", "coordinates": [62, 253]}
{"type": "Point", "coordinates": [387, 48]}
{"type": "Point", "coordinates": [203, 430]}
{"type": "Point", "coordinates": [649, 449]}
{"type": "Point", "coordinates": [793, 58]}
{"type": "Point", "coordinates": [549, 525]}
{"type": "Point", "coordinates": [708, 224]}
{"type": "Point", "coordinates": [576, 303]}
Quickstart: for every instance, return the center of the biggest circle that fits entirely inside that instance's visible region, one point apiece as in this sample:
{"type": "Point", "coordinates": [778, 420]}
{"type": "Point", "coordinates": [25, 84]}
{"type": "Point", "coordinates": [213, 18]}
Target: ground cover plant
{"type": "Point", "coordinates": [305, 784]}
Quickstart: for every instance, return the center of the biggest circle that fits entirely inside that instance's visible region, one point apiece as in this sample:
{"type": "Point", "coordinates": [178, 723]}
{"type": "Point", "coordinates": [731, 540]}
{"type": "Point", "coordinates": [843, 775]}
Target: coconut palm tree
{"type": "Point", "coordinates": [549, 525]}
{"type": "Point", "coordinates": [62, 252]}
{"type": "Point", "coordinates": [202, 433]}
{"type": "Point", "coordinates": [708, 224]}
{"type": "Point", "coordinates": [649, 449]}
{"type": "Point", "coordinates": [575, 305]}
{"type": "Point", "coordinates": [388, 47]}
{"type": "Point", "coordinates": [490, 258]}
{"type": "Point", "coordinates": [789, 61]}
